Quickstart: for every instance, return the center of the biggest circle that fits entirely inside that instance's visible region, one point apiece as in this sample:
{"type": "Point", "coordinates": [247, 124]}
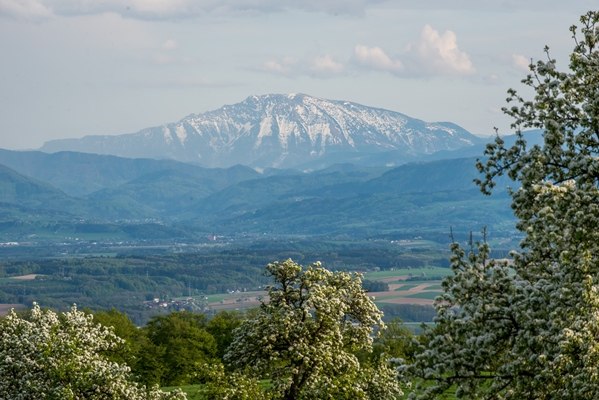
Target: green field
{"type": "Point", "coordinates": [222, 297]}
{"type": "Point", "coordinates": [424, 295]}
{"type": "Point", "coordinates": [423, 272]}
{"type": "Point", "coordinates": [192, 391]}
{"type": "Point", "coordinates": [431, 285]}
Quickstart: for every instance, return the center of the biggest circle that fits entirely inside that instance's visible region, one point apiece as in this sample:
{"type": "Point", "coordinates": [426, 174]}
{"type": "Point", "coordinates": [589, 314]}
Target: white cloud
{"type": "Point", "coordinates": [285, 66]}
{"type": "Point", "coordinates": [24, 9]}
{"type": "Point", "coordinates": [167, 54]}
{"type": "Point", "coordinates": [135, 9]}
{"type": "Point", "coordinates": [376, 58]}
{"type": "Point", "coordinates": [181, 82]}
{"type": "Point", "coordinates": [520, 62]}
{"type": "Point", "coordinates": [176, 9]}
{"type": "Point", "coordinates": [160, 7]}
{"type": "Point", "coordinates": [491, 79]}
{"type": "Point", "coordinates": [163, 59]}
{"type": "Point", "coordinates": [184, 9]}
{"type": "Point", "coordinates": [335, 7]}
{"type": "Point", "coordinates": [433, 54]}
{"type": "Point", "coordinates": [170, 44]}
{"type": "Point", "coordinates": [323, 66]}
{"type": "Point", "coordinates": [326, 65]}
{"type": "Point", "coordinates": [439, 54]}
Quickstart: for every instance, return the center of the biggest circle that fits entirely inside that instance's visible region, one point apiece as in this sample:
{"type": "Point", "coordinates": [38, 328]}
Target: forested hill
{"type": "Point", "coordinates": [98, 195]}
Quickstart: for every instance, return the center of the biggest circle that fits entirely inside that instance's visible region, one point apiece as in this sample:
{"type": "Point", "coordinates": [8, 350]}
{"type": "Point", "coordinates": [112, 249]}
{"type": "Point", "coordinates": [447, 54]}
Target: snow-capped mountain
{"type": "Point", "coordinates": [282, 131]}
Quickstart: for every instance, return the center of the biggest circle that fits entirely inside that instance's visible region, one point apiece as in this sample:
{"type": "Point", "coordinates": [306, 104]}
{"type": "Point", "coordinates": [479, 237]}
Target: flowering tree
{"type": "Point", "coordinates": [51, 356]}
{"type": "Point", "coordinates": [306, 335]}
{"type": "Point", "coordinates": [531, 329]}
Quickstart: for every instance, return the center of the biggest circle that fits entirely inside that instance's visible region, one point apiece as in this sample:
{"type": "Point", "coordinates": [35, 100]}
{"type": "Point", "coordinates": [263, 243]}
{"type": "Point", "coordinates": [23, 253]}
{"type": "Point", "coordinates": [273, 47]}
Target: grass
{"type": "Point", "coordinates": [448, 395]}
{"type": "Point", "coordinates": [407, 285]}
{"type": "Point", "coordinates": [428, 285]}
{"type": "Point", "coordinates": [215, 298]}
{"type": "Point", "coordinates": [19, 278]}
{"type": "Point", "coordinates": [432, 295]}
{"type": "Point", "coordinates": [413, 272]}
{"type": "Point", "coordinates": [418, 276]}
{"type": "Point", "coordinates": [192, 391]}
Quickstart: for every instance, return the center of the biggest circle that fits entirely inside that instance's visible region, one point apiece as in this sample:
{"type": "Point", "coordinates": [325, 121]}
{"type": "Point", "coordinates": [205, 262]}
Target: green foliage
{"type": "Point", "coordinates": [182, 343]}
{"type": "Point", "coordinates": [395, 342]}
{"type": "Point", "coordinates": [123, 327]}
{"type": "Point", "coordinates": [50, 356]}
{"type": "Point", "coordinates": [530, 329]}
{"type": "Point", "coordinates": [375, 286]}
{"type": "Point", "coordinates": [125, 281]}
{"type": "Point", "coordinates": [221, 327]}
{"type": "Point", "coordinates": [408, 312]}
{"type": "Point", "coordinates": [230, 386]}
{"type": "Point", "coordinates": [136, 350]}
{"type": "Point", "coordinates": [306, 336]}
{"type": "Point", "coordinates": [170, 349]}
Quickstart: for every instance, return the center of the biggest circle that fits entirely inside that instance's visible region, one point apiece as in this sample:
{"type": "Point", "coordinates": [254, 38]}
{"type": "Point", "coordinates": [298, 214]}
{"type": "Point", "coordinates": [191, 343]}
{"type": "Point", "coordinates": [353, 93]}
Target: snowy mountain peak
{"type": "Point", "coordinates": [281, 130]}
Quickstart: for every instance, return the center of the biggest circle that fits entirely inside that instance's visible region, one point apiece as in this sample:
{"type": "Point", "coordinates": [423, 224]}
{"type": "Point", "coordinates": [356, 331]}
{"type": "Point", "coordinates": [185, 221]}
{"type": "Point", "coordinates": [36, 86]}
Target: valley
{"type": "Point", "coordinates": [220, 272]}
{"type": "Point", "coordinates": [145, 235]}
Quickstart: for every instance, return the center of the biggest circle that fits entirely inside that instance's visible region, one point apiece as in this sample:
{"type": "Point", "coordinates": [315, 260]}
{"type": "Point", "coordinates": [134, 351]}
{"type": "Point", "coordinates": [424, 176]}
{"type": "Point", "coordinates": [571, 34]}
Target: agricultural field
{"type": "Point", "coordinates": [409, 286]}
{"type": "Point", "coordinates": [142, 282]}
{"type": "Point", "coordinates": [235, 300]}
{"type": "Point", "coordinates": [406, 286]}
{"type": "Point", "coordinates": [5, 308]}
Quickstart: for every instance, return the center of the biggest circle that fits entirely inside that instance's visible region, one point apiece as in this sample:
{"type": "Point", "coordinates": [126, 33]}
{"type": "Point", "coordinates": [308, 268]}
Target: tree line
{"type": "Point", "coordinates": [319, 334]}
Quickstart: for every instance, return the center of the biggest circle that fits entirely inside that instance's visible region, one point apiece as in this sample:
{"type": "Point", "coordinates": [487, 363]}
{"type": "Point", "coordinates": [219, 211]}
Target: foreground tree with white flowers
{"type": "Point", "coordinates": [530, 330]}
{"type": "Point", "coordinates": [64, 356]}
{"type": "Point", "coordinates": [306, 336]}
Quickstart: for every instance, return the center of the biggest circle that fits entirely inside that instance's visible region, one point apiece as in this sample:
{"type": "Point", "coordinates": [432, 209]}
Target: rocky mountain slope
{"type": "Point", "coordinates": [283, 131]}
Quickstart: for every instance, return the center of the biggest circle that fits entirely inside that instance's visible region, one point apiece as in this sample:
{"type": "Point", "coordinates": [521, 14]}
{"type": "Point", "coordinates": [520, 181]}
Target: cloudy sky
{"type": "Point", "coordinates": [70, 68]}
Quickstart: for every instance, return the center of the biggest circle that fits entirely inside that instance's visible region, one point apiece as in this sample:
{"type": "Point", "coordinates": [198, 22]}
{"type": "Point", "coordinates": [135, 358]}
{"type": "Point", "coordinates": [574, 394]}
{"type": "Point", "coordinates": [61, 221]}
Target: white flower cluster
{"type": "Point", "coordinates": [51, 356]}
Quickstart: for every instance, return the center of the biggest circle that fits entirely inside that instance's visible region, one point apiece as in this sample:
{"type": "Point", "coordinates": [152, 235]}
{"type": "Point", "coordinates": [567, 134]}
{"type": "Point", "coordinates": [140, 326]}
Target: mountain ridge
{"type": "Point", "coordinates": [81, 174]}
{"type": "Point", "coordinates": [417, 198]}
{"type": "Point", "coordinates": [281, 131]}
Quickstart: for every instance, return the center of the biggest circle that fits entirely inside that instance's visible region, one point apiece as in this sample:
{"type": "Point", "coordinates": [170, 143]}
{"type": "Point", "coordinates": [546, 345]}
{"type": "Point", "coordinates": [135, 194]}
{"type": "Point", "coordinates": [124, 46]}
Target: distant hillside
{"type": "Point", "coordinates": [29, 194]}
{"type": "Point", "coordinates": [80, 174]}
{"type": "Point", "coordinates": [424, 197]}
{"type": "Point", "coordinates": [165, 199]}
{"type": "Point", "coordinates": [533, 137]}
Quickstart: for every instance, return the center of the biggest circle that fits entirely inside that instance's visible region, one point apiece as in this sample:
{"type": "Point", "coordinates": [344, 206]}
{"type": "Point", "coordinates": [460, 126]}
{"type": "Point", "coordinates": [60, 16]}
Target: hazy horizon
{"type": "Point", "coordinates": [75, 68]}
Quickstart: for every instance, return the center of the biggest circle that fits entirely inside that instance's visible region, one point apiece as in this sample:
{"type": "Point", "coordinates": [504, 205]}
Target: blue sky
{"type": "Point", "coordinates": [71, 68]}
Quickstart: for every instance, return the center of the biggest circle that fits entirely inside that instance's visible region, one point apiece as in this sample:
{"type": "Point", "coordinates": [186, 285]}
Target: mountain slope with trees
{"type": "Point", "coordinates": [192, 201]}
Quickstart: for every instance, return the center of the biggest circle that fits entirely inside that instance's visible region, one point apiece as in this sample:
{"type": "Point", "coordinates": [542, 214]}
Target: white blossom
{"type": "Point", "coordinates": [305, 337]}
{"type": "Point", "coordinates": [531, 329]}
{"type": "Point", "coordinates": [51, 356]}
